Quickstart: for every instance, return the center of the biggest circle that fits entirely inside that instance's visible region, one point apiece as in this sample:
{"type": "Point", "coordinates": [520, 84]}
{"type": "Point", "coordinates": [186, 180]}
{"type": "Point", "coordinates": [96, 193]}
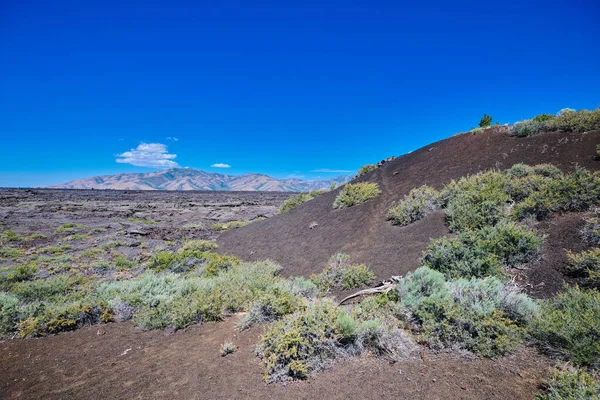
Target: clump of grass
{"type": "Point", "coordinates": [569, 325]}
{"type": "Point", "coordinates": [122, 263]}
{"type": "Point", "coordinates": [97, 230]}
{"type": "Point", "coordinates": [12, 236]}
{"type": "Point", "coordinates": [226, 348]}
{"type": "Point", "coordinates": [356, 193]}
{"type": "Point", "coordinates": [365, 169]}
{"type": "Point", "coordinates": [484, 316]}
{"type": "Point", "coordinates": [58, 249]}
{"type": "Point", "coordinates": [193, 246]}
{"type": "Point", "coordinates": [417, 204]}
{"type": "Point", "coordinates": [10, 252]}
{"type": "Point", "coordinates": [225, 226]}
{"type": "Point", "coordinates": [340, 274]}
{"type": "Point", "coordinates": [590, 233]}
{"type": "Point", "coordinates": [69, 228]}
{"type": "Point", "coordinates": [298, 200]}
{"type": "Point", "coordinates": [571, 384]}
{"type": "Point", "coordinates": [75, 237]}
{"type": "Point", "coordinates": [112, 245]}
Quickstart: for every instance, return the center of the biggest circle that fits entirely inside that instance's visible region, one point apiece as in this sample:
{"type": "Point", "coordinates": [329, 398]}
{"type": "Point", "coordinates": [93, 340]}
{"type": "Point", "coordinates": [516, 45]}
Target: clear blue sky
{"type": "Point", "coordinates": [284, 88]}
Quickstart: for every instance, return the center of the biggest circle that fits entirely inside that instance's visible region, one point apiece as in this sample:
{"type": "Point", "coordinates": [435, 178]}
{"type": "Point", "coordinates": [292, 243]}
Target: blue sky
{"type": "Point", "coordinates": [284, 88]}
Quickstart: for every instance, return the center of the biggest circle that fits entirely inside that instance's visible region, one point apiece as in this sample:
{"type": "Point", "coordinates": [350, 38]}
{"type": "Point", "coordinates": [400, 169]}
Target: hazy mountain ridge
{"type": "Point", "coordinates": [194, 179]}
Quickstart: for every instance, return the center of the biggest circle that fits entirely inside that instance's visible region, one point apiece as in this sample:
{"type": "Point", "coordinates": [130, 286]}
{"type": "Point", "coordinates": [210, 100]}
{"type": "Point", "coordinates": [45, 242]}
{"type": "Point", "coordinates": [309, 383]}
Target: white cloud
{"type": "Point", "coordinates": [221, 165]}
{"type": "Point", "coordinates": [173, 139]}
{"type": "Point", "coordinates": [332, 170]}
{"type": "Point", "coordinates": [153, 155]}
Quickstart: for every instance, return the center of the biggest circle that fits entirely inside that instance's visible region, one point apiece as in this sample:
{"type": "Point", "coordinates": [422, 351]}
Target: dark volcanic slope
{"type": "Point", "coordinates": [363, 231]}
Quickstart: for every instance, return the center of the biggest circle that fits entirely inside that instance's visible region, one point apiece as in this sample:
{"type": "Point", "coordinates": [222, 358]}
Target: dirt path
{"type": "Point", "coordinates": [126, 362]}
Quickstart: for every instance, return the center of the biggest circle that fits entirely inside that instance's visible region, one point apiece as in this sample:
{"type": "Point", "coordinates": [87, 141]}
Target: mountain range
{"type": "Point", "coordinates": [194, 179]}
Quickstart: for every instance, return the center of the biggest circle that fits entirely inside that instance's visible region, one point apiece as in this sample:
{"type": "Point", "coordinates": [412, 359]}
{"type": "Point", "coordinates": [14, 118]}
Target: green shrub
{"type": "Point", "coordinates": [21, 272]}
{"type": "Point", "coordinates": [10, 252]}
{"type": "Point", "coordinates": [547, 170]}
{"type": "Point", "coordinates": [195, 246]}
{"type": "Point", "coordinates": [122, 263]}
{"type": "Point", "coordinates": [43, 289]}
{"type": "Point", "coordinates": [356, 193]}
{"type": "Point", "coordinates": [340, 274]}
{"type": "Point", "coordinates": [298, 200]}
{"type": "Point", "coordinates": [365, 169]}
{"type": "Point", "coordinates": [304, 342]}
{"type": "Point", "coordinates": [484, 316]}
{"type": "Point", "coordinates": [12, 236]}
{"type": "Point", "coordinates": [571, 385]}
{"type": "Point", "coordinates": [271, 305]}
{"type": "Point", "coordinates": [455, 258]}
{"type": "Point", "coordinates": [483, 252]}
{"type": "Point", "coordinates": [585, 265]}
{"type": "Point", "coordinates": [476, 201]}
{"type": "Point", "coordinates": [519, 170]}
{"type": "Point", "coordinates": [569, 325]}
{"type": "Point", "coordinates": [573, 121]}
{"type": "Point", "coordinates": [417, 204]}
{"type": "Point", "coordinates": [543, 117]}
{"type": "Point", "coordinates": [577, 191]}
{"type": "Point", "coordinates": [485, 121]}
{"type": "Point", "coordinates": [590, 233]}
{"type": "Point", "coordinates": [9, 314]}
{"type": "Point", "coordinates": [218, 263]}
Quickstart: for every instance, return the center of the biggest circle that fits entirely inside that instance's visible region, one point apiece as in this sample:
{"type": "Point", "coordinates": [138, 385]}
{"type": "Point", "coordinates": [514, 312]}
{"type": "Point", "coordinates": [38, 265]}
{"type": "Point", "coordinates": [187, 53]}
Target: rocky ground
{"type": "Point", "coordinates": [111, 224]}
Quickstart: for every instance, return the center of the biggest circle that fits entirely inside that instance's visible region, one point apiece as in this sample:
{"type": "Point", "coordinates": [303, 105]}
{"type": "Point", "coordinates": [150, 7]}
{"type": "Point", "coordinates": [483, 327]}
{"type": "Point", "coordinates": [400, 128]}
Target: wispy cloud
{"type": "Point", "coordinates": [153, 155]}
{"type": "Point", "coordinates": [336, 171]}
{"type": "Point", "coordinates": [173, 138]}
{"type": "Point", "coordinates": [221, 165]}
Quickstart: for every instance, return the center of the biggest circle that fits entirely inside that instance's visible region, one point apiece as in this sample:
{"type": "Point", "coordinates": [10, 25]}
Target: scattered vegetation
{"type": "Point", "coordinates": [569, 121]}
{"type": "Point", "coordinates": [340, 274]}
{"type": "Point", "coordinates": [225, 226]}
{"type": "Point", "coordinates": [298, 200]}
{"type": "Point", "coordinates": [356, 193]}
{"type": "Point", "coordinates": [69, 228]}
{"type": "Point", "coordinates": [569, 326]}
{"type": "Point", "coordinates": [417, 204]}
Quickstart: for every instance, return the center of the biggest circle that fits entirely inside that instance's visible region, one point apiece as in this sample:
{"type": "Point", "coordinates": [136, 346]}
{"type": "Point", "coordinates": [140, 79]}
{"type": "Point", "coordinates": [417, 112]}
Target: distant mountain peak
{"type": "Point", "coordinates": [194, 179]}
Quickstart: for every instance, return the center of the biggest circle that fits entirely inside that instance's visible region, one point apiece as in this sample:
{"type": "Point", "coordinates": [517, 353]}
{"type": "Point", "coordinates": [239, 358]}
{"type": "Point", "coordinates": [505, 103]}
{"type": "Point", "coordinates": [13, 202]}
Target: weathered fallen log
{"type": "Point", "coordinates": [382, 287]}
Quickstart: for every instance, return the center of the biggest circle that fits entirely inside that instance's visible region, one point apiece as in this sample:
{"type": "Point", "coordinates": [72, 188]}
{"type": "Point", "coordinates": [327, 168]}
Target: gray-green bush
{"type": "Point", "coordinates": [417, 204]}
{"type": "Point", "coordinates": [484, 316]}
{"type": "Point", "coordinates": [356, 193]}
